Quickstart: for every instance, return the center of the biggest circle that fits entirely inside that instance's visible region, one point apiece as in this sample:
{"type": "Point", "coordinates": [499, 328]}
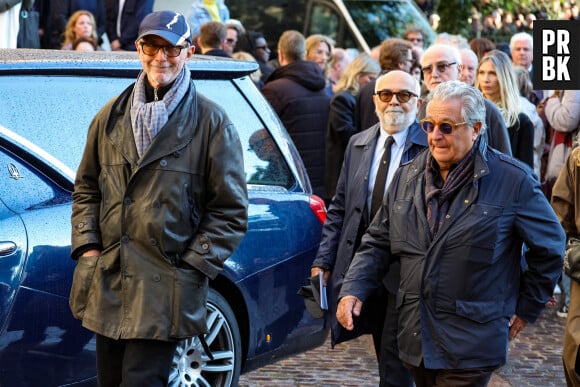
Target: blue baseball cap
{"type": "Point", "coordinates": [168, 25]}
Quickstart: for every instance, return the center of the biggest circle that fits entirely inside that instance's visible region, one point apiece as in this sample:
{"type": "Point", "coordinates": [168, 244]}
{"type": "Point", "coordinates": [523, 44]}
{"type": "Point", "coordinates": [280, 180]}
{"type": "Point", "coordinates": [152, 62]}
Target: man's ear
{"type": "Point", "coordinates": [477, 129]}
{"type": "Point", "coordinates": [419, 103]}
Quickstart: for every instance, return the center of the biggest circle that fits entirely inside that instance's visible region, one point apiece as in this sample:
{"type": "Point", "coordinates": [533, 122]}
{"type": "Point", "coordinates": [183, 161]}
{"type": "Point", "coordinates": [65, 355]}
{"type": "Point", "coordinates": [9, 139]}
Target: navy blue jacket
{"type": "Point", "coordinates": [459, 288]}
{"type": "Point", "coordinates": [347, 218]}
{"type": "Point", "coordinates": [134, 11]}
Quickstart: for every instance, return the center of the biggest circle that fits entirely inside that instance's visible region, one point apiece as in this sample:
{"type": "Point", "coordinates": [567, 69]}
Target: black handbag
{"type": "Point", "coordinates": [572, 259]}
{"type": "Point", "coordinates": [28, 36]}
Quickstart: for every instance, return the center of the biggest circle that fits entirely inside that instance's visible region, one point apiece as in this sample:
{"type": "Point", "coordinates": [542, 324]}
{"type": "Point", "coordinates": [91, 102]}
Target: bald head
{"type": "Point", "coordinates": [396, 100]}
{"type": "Point", "coordinates": [399, 77]}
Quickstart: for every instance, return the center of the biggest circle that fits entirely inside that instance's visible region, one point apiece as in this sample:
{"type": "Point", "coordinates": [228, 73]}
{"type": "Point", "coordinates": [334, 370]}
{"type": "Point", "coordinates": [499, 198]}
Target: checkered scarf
{"type": "Point", "coordinates": [147, 118]}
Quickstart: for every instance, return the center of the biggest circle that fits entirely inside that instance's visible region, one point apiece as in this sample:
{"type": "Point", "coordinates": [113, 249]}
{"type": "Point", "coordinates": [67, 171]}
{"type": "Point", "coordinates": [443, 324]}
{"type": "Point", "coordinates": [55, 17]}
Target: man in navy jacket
{"type": "Point", "coordinates": [455, 218]}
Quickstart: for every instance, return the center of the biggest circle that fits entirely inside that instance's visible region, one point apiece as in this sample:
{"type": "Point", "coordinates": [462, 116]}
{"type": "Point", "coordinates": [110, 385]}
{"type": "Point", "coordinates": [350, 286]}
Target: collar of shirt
{"type": "Point", "coordinates": [396, 155]}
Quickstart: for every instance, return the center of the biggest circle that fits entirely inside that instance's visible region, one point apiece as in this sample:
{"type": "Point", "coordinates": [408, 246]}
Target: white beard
{"type": "Point", "coordinates": [396, 118]}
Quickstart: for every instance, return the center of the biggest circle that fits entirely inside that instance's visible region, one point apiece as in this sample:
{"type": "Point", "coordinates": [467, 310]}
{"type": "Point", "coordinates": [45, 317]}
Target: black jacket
{"type": "Point", "coordinates": [296, 92]}
{"type": "Point", "coordinates": [134, 11]}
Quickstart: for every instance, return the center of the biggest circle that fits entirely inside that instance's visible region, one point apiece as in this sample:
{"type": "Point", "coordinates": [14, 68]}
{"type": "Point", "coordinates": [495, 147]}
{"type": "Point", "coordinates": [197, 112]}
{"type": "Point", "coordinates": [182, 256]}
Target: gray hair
{"type": "Point", "coordinates": [521, 36]}
{"type": "Point", "coordinates": [473, 105]}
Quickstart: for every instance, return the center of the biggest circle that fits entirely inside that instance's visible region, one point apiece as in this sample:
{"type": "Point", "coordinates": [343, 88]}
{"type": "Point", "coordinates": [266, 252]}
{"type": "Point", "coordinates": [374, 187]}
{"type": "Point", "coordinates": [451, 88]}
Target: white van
{"type": "Point", "coordinates": [360, 24]}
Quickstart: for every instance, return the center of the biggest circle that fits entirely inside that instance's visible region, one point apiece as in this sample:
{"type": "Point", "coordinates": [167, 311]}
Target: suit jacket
{"type": "Point", "coordinates": [347, 219]}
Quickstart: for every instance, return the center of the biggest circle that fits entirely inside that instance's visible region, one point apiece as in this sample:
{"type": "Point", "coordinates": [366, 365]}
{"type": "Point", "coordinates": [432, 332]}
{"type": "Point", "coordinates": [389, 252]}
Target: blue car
{"type": "Point", "coordinates": [254, 314]}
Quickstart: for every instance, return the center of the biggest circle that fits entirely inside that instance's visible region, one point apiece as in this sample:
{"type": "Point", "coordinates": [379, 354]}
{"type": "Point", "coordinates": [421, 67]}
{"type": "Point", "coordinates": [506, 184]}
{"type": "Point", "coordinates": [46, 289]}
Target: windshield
{"type": "Point", "coordinates": [378, 20]}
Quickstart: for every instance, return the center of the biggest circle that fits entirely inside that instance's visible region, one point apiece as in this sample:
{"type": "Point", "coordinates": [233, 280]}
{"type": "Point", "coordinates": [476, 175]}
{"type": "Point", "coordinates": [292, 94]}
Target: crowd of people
{"type": "Point", "coordinates": [438, 165]}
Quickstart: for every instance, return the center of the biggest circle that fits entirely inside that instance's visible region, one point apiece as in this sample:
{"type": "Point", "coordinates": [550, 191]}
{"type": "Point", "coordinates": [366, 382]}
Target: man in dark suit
{"type": "Point", "coordinates": [396, 102]}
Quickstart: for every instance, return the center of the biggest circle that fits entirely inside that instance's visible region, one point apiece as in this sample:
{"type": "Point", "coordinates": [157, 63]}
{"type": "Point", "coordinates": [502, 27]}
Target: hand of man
{"type": "Point", "coordinates": [91, 253]}
{"type": "Point", "coordinates": [348, 307]}
{"type": "Point", "coordinates": [516, 325]}
{"type": "Point", "coordinates": [115, 45]}
{"type": "Point", "coordinates": [326, 274]}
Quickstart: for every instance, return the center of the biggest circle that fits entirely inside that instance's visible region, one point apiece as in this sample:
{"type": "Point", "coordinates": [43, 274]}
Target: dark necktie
{"type": "Point", "coordinates": [380, 180]}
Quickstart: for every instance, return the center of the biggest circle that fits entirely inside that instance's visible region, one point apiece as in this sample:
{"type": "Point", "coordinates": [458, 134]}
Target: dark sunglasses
{"type": "Point", "coordinates": [441, 68]}
{"type": "Point", "coordinates": [152, 49]}
{"type": "Point", "coordinates": [231, 41]}
{"type": "Point", "coordinates": [402, 96]}
{"type": "Point", "coordinates": [445, 127]}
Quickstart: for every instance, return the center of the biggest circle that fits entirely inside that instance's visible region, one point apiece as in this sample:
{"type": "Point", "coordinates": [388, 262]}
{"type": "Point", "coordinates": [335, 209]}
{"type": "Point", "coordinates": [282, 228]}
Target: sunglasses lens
{"type": "Point", "coordinates": [427, 126]}
{"type": "Point", "coordinates": [403, 97]}
{"type": "Point", "coordinates": [385, 96]}
{"type": "Point", "coordinates": [445, 128]}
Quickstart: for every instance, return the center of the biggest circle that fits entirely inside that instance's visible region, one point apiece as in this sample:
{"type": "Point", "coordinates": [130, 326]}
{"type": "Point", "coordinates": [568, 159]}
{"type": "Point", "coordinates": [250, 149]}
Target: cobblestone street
{"type": "Point", "coordinates": [534, 360]}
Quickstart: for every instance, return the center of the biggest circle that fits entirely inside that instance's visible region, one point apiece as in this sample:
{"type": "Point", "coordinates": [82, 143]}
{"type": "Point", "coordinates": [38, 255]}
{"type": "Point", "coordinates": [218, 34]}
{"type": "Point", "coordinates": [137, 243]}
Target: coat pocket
{"type": "Point", "coordinates": [480, 311]}
{"type": "Point", "coordinates": [81, 285]}
{"type": "Point", "coordinates": [190, 303]}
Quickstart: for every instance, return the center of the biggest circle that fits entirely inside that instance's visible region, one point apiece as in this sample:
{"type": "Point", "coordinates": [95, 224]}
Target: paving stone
{"type": "Point", "coordinates": [534, 360]}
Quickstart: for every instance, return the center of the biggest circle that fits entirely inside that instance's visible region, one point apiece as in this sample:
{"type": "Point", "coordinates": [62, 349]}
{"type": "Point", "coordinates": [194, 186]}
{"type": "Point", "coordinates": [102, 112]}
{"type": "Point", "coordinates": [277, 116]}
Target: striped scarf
{"type": "Point", "coordinates": [148, 118]}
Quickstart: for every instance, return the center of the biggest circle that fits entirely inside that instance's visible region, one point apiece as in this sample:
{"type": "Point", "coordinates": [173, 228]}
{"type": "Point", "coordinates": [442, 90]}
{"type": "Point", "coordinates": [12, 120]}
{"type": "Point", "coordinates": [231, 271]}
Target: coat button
{"type": "Point", "coordinates": [81, 225]}
{"type": "Point", "coordinates": [156, 277]}
{"type": "Point", "coordinates": [163, 163]}
{"type": "Point", "coordinates": [153, 242]}
{"type": "Point", "coordinates": [205, 246]}
{"type": "Point", "coordinates": [125, 239]}
{"type": "Point", "coordinates": [127, 201]}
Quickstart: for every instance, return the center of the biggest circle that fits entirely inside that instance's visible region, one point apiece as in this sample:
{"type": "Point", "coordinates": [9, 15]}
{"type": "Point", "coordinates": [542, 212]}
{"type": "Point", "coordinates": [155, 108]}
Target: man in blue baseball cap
{"type": "Point", "coordinates": [147, 235]}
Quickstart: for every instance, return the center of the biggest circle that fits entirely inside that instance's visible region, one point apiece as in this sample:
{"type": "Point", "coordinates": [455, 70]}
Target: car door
{"type": "Point", "coordinates": [38, 331]}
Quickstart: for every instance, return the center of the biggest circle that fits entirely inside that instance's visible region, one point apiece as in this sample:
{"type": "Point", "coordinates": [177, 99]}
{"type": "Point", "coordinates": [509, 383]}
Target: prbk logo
{"type": "Point", "coordinates": [556, 55]}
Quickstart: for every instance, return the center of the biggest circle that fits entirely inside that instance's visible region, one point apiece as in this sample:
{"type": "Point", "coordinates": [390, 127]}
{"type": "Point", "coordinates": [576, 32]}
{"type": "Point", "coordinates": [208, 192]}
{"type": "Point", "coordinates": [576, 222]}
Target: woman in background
{"type": "Point", "coordinates": [81, 24]}
{"type": "Point", "coordinates": [497, 81]}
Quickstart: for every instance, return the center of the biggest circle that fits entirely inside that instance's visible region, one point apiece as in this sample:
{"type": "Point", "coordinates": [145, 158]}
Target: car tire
{"type": "Point", "coordinates": [192, 366]}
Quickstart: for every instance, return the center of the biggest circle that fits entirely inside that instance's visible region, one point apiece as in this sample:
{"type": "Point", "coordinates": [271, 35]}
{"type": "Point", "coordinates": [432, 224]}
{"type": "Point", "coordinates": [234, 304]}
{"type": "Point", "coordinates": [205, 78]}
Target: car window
{"type": "Point", "coordinates": [263, 161]}
{"type": "Point", "coordinates": [66, 106]}
{"type": "Point", "coordinates": [55, 112]}
{"type": "Point", "coordinates": [394, 17]}
{"type": "Point", "coordinates": [21, 189]}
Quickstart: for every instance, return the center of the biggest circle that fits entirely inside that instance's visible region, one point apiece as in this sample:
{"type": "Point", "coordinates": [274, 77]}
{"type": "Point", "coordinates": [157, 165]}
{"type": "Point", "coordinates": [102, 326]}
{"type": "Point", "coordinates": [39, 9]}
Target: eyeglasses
{"type": "Point", "coordinates": [261, 47]}
{"type": "Point", "coordinates": [402, 96]}
{"type": "Point", "coordinates": [419, 40]}
{"type": "Point", "coordinates": [231, 41]}
{"type": "Point", "coordinates": [441, 68]}
{"type": "Point", "coordinates": [445, 127]}
{"type": "Point", "coordinates": [152, 49]}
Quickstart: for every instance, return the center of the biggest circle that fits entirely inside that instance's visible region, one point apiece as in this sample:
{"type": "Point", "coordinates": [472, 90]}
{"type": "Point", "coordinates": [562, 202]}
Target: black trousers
{"type": "Point", "coordinates": [135, 362]}
{"type": "Point", "coordinates": [474, 377]}
{"type": "Point", "coordinates": [392, 372]}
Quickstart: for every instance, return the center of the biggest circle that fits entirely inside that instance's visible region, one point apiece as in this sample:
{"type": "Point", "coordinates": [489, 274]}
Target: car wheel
{"type": "Point", "coordinates": [191, 366]}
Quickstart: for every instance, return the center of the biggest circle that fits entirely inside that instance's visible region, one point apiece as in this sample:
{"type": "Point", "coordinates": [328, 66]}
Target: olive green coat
{"type": "Point", "coordinates": [164, 223]}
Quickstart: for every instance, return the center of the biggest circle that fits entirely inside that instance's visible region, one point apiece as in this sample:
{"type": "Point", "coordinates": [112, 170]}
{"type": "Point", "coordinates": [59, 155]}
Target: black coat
{"type": "Point", "coordinates": [340, 129]}
{"type": "Point", "coordinates": [134, 11]}
{"type": "Point", "coordinates": [296, 92]}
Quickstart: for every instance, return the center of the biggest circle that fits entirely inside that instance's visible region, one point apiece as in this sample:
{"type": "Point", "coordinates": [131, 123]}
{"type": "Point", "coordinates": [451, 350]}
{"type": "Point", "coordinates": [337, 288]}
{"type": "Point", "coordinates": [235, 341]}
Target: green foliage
{"type": "Point", "coordinates": [454, 16]}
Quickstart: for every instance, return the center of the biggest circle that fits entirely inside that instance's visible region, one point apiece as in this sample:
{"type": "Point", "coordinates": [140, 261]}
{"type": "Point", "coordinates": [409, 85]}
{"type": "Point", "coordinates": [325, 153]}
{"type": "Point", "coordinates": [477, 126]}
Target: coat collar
{"type": "Point", "coordinates": [171, 138]}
